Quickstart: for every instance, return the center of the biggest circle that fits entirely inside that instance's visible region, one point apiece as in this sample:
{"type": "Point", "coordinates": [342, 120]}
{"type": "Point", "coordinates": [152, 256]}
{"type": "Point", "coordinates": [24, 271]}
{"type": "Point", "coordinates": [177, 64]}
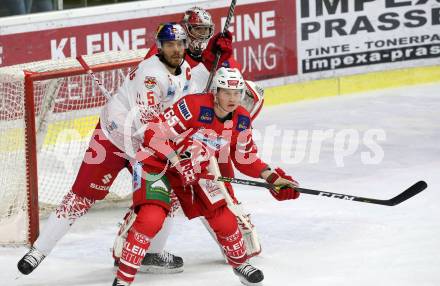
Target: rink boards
{"type": "Point", "coordinates": [350, 84]}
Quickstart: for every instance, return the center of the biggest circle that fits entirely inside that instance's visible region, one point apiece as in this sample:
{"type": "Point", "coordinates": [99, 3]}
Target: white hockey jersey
{"type": "Point", "coordinates": [145, 92]}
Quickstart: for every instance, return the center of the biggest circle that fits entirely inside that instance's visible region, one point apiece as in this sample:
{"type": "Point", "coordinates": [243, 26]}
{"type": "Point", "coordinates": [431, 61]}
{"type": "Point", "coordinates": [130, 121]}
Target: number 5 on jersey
{"type": "Point", "coordinates": [150, 98]}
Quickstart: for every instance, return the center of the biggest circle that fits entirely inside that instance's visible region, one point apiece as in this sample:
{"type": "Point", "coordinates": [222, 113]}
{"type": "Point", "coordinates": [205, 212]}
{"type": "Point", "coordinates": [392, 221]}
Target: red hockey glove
{"type": "Point", "coordinates": [286, 192]}
{"type": "Point", "coordinates": [219, 42]}
{"type": "Point", "coordinates": [194, 159]}
{"type": "Point", "coordinates": [189, 172]}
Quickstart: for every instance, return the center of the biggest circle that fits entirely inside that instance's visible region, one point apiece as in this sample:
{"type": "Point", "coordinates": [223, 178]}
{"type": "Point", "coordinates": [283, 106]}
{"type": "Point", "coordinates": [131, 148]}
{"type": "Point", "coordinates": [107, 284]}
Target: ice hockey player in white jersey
{"type": "Point", "coordinates": [150, 88]}
{"type": "Point", "coordinates": [146, 91]}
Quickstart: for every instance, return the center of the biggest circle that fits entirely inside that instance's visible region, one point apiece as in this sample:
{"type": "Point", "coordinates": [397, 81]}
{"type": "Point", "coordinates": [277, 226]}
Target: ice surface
{"type": "Point", "coordinates": [313, 240]}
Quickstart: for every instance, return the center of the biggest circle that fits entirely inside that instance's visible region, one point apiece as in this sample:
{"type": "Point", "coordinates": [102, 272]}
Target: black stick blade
{"type": "Point", "coordinates": [408, 193]}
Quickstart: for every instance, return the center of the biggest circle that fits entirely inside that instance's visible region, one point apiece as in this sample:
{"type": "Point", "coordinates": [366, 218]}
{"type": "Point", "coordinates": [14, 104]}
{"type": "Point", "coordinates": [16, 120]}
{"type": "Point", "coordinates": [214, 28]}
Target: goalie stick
{"type": "Point", "coordinates": [405, 195]}
{"type": "Point", "coordinates": [218, 54]}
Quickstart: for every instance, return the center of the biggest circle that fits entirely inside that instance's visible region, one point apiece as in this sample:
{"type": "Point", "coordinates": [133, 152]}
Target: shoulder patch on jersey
{"type": "Point", "coordinates": [243, 122]}
{"type": "Point", "coordinates": [206, 114]}
{"type": "Point", "coordinates": [184, 110]}
{"type": "Point", "coordinates": [150, 82]}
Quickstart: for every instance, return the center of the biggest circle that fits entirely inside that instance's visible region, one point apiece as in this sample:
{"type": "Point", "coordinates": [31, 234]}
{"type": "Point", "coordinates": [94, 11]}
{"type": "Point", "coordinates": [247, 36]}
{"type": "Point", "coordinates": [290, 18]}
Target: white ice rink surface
{"type": "Point", "coordinates": [313, 240]}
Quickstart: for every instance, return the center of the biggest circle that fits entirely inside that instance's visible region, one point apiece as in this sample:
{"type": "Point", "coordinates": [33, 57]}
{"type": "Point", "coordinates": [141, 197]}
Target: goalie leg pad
{"type": "Point", "coordinates": [248, 230]}
{"type": "Point", "coordinates": [125, 226]}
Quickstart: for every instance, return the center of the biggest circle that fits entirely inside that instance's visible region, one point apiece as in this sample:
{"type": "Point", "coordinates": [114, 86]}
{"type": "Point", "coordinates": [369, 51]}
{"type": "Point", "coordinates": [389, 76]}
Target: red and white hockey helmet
{"type": "Point", "coordinates": [199, 26]}
{"type": "Point", "coordinates": [229, 79]}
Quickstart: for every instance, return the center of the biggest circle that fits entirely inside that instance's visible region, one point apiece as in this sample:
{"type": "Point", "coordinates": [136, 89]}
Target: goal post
{"type": "Point", "coordinates": [48, 111]}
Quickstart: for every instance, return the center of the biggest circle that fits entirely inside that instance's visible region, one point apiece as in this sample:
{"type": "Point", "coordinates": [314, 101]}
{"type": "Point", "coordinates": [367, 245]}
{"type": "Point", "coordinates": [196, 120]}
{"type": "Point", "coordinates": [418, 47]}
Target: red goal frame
{"type": "Point", "coordinates": [30, 132]}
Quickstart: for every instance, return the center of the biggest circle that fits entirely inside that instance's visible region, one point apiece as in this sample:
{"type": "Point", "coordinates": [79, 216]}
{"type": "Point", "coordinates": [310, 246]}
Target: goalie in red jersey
{"type": "Point", "coordinates": [185, 143]}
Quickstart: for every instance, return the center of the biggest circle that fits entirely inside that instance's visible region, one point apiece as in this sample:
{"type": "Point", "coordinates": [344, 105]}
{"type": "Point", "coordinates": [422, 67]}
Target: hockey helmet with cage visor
{"type": "Point", "coordinates": [199, 27]}
{"type": "Point", "coordinates": [170, 32]}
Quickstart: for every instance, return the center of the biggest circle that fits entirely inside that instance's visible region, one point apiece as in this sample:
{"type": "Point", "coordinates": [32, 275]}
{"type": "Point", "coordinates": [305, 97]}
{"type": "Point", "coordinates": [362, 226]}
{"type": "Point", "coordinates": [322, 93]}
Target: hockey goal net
{"type": "Point", "coordinates": [48, 111]}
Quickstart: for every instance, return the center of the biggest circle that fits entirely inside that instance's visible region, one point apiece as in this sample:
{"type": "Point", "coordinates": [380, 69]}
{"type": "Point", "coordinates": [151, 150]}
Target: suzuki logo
{"type": "Point", "coordinates": [106, 179]}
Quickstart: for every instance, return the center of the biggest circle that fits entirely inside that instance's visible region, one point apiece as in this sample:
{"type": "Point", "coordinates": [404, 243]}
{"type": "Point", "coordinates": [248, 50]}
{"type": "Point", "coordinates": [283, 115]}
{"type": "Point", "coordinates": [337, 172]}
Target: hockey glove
{"type": "Point", "coordinates": [193, 161]}
{"type": "Point", "coordinates": [190, 171]}
{"type": "Point", "coordinates": [221, 43]}
{"type": "Point", "coordinates": [286, 192]}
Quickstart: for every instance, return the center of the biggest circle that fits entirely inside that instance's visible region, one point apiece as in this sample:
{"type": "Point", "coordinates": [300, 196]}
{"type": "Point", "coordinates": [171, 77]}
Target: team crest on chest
{"type": "Point", "coordinates": [150, 82]}
{"type": "Point", "coordinates": [206, 114]}
{"type": "Point", "coordinates": [243, 123]}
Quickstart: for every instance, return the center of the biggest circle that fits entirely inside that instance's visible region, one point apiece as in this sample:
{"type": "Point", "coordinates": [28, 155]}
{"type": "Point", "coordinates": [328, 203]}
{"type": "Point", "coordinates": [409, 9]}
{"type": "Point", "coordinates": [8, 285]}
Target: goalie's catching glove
{"type": "Point", "coordinates": [285, 185]}
{"type": "Point", "coordinates": [221, 43]}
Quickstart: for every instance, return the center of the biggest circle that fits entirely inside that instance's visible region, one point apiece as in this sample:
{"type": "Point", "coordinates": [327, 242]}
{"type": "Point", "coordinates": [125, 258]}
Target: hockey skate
{"type": "Point", "coordinates": [249, 275]}
{"type": "Point", "coordinates": [30, 261]}
{"type": "Point", "coordinates": [160, 263]}
{"type": "Point", "coordinates": [119, 282]}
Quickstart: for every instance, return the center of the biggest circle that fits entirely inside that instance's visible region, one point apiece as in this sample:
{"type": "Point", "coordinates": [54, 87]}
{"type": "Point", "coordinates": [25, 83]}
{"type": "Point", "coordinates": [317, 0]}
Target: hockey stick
{"type": "Point", "coordinates": [405, 195]}
{"type": "Point", "coordinates": [93, 76]}
{"type": "Point", "coordinates": [218, 54]}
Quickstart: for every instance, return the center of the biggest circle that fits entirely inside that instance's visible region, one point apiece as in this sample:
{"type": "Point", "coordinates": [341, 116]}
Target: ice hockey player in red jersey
{"type": "Point", "coordinates": [154, 85]}
{"type": "Point", "coordinates": [185, 142]}
{"type": "Point", "coordinates": [199, 27]}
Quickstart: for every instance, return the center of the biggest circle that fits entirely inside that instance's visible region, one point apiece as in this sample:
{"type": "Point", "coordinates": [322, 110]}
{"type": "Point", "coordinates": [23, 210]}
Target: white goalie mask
{"type": "Point", "coordinates": [199, 26]}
